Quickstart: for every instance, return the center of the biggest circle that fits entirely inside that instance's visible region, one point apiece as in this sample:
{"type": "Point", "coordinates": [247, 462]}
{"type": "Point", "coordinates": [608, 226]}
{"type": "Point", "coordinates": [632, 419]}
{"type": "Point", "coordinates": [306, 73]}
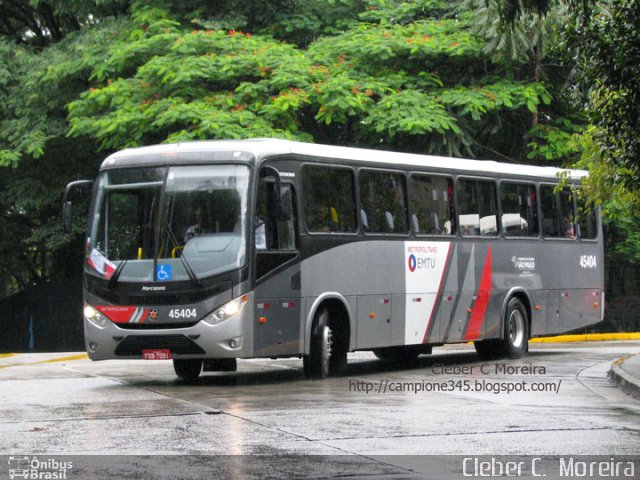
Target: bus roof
{"type": "Point", "coordinates": [264, 147]}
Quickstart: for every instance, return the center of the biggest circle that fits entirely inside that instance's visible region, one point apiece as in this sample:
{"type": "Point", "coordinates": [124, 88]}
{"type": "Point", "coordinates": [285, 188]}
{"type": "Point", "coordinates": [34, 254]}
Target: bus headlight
{"type": "Point", "coordinates": [226, 311]}
{"type": "Point", "coordinates": [95, 317]}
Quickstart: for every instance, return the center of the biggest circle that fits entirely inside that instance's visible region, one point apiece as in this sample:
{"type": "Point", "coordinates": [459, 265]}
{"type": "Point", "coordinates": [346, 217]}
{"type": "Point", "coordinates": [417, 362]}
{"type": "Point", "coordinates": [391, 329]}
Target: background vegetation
{"type": "Point", "coordinates": [543, 82]}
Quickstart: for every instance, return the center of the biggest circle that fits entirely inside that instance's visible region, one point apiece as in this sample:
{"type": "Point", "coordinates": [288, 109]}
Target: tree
{"type": "Point", "coordinates": [607, 34]}
{"type": "Point", "coordinates": [420, 85]}
{"type": "Point", "coordinates": [42, 22]}
{"type": "Point", "coordinates": [36, 157]}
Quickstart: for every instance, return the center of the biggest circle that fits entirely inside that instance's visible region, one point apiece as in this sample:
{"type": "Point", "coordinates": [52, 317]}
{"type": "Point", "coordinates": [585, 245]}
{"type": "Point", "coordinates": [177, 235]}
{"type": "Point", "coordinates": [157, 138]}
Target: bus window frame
{"type": "Point", "coordinates": [454, 219]}
{"type": "Point", "coordinates": [456, 191]}
{"type": "Point", "coordinates": [295, 253]}
{"type": "Point", "coordinates": [535, 185]}
{"type": "Point", "coordinates": [361, 230]}
{"type": "Point", "coordinates": [598, 219]}
{"type": "Point", "coordinates": [302, 207]}
{"type": "Point", "coordinates": [556, 195]}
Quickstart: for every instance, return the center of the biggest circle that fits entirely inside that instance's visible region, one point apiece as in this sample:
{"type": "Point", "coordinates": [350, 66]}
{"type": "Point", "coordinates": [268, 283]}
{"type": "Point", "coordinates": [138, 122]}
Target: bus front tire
{"type": "Point", "coordinates": [187, 368]}
{"type": "Point", "coordinates": [515, 340]}
{"type": "Point", "coordinates": [317, 363]}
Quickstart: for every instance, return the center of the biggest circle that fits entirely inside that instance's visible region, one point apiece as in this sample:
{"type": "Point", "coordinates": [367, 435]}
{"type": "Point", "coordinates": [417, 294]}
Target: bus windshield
{"type": "Point", "coordinates": [170, 223]}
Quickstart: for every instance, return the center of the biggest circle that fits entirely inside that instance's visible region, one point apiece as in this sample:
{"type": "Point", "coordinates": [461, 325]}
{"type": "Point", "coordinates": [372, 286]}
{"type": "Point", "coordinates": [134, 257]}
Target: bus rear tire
{"type": "Point", "coordinates": [317, 363]}
{"type": "Point", "coordinates": [515, 340]}
{"type": "Point", "coordinates": [187, 368]}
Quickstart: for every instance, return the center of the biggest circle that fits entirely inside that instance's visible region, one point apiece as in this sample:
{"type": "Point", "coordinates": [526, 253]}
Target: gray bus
{"type": "Point", "coordinates": [206, 252]}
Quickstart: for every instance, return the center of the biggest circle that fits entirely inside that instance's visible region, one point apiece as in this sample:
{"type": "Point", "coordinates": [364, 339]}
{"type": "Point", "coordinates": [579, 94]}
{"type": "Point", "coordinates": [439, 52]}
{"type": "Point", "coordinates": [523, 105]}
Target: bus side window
{"type": "Point", "coordinates": [382, 198]}
{"type": "Point", "coordinates": [478, 208]}
{"type": "Point", "coordinates": [550, 214]}
{"type": "Point", "coordinates": [519, 209]}
{"type": "Point", "coordinates": [275, 229]}
{"type": "Point", "coordinates": [431, 204]}
{"type": "Point", "coordinates": [329, 199]}
{"type": "Point", "coordinates": [586, 220]}
{"type": "Point", "coordinates": [568, 214]}
{"type": "Point", "coordinates": [558, 212]}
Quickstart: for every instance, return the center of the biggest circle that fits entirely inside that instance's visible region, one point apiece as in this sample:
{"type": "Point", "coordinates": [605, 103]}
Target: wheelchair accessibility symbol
{"type": "Point", "coordinates": [163, 273]}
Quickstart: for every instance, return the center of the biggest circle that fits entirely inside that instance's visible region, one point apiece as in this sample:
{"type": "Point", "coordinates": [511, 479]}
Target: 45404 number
{"type": "Point", "coordinates": [177, 313]}
{"type": "Point", "coordinates": [588, 261]}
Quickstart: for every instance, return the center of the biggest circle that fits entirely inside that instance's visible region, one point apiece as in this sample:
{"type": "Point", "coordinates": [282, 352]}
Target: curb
{"type": "Point", "coordinates": [587, 337]}
{"type": "Point", "coordinates": [622, 379]}
{"type": "Point", "coordinates": [67, 358]}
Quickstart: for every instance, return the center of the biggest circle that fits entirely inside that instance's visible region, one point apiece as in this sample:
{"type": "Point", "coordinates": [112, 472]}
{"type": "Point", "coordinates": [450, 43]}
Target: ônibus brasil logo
{"type": "Point", "coordinates": [27, 467]}
{"type": "Point", "coordinates": [413, 263]}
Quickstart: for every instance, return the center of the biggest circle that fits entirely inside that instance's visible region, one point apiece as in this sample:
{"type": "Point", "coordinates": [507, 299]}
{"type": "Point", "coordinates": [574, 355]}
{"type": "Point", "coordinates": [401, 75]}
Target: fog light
{"type": "Point", "coordinates": [93, 347]}
{"type": "Point", "coordinates": [233, 343]}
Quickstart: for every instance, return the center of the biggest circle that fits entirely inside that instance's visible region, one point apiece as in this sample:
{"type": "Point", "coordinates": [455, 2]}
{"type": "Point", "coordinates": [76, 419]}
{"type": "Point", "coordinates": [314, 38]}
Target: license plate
{"type": "Point", "coordinates": [164, 354]}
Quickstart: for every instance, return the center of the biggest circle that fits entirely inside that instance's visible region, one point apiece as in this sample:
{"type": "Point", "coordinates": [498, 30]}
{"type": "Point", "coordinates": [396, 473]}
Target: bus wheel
{"type": "Point", "coordinates": [187, 369]}
{"type": "Point", "coordinates": [515, 341]}
{"type": "Point", "coordinates": [316, 364]}
{"type": "Point", "coordinates": [516, 330]}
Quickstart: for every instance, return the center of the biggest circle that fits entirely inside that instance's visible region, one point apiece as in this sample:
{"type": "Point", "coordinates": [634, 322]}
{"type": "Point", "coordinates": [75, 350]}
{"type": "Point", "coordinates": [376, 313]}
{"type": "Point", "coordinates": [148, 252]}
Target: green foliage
{"type": "Point", "coordinates": [43, 22]}
{"type": "Point", "coordinates": [512, 11]}
{"type": "Point", "coordinates": [38, 159]}
{"type": "Point", "coordinates": [602, 187]}
{"type": "Point", "coordinates": [607, 36]}
{"type": "Point", "coordinates": [394, 83]}
{"type": "Point", "coordinates": [518, 40]}
{"type": "Point", "coordinates": [555, 142]}
{"type": "Point", "coordinates": [195, 85]}
{"type": "Point", "coordinates": [494, 97]}
{"type": "Point", "coordinates": [35, 89]}
{"type": "Point", "coordinates": [385, 12]}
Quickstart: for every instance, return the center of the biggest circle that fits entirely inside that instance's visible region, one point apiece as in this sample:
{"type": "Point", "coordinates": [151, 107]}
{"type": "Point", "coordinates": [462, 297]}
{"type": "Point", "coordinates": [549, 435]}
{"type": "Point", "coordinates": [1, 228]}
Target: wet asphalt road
{"type": "Point", "coordinates": [268, 407]}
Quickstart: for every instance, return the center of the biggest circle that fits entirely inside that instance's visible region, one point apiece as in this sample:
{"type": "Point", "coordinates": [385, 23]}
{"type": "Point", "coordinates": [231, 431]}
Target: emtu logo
{"type": "Point", "coordinates": [413, 263]}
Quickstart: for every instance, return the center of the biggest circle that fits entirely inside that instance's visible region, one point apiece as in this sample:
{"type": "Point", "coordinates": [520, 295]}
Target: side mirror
{"type": "Point", "coordinates": [66, 216]}
{"type": "Point", "coordinates": [66, 203]}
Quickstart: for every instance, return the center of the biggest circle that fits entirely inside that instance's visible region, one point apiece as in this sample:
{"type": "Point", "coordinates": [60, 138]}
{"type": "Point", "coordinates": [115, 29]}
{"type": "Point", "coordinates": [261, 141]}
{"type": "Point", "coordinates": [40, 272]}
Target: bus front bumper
{"type": "Point", "coordinates": [230, 339]}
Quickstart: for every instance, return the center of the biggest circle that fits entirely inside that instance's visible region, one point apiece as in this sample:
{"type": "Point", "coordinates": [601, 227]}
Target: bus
{"type": "Point", "coordinates": [208, 252]}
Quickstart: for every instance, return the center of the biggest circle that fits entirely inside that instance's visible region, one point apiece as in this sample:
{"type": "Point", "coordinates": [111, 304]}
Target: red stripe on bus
{"type": "Point", "coordinates": [482, 301]}
{"type": "Point", "coordinates": [445, 269]}
{"type": "Point", "coordinates": [116, 313]}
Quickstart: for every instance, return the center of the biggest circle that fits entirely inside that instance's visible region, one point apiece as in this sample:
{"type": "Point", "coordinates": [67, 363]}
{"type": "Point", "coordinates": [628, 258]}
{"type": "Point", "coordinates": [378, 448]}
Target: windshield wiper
{"type": "Point", "coordinates": [192, 276]}
{"type": "Point", "coordinates": [113, 281]}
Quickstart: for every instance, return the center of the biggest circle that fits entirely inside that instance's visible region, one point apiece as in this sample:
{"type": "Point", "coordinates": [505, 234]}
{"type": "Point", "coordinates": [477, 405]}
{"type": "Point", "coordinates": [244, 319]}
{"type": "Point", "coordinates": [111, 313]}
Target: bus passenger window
{"type": "Point", "coordinates": [478, 208]}
{"type": "Point", "coordinates": [431, 205]}
{"type": "Point", "coordinates": [519, 210]}
{"type": "Point", "coordinates": [558, 213]}
{"type": "Point", "coordinates": [329, 199]}
{"type": "Point", "coordinates": [568, 214]}
{"type": "Point", "coordinates": [549, 206]}
{"type": "Point", "coordinates": [586, 220]}
{"type": "Point", "coordinates": [382, 197]}
{"type": "Point", "coordinates": [275, 230]}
